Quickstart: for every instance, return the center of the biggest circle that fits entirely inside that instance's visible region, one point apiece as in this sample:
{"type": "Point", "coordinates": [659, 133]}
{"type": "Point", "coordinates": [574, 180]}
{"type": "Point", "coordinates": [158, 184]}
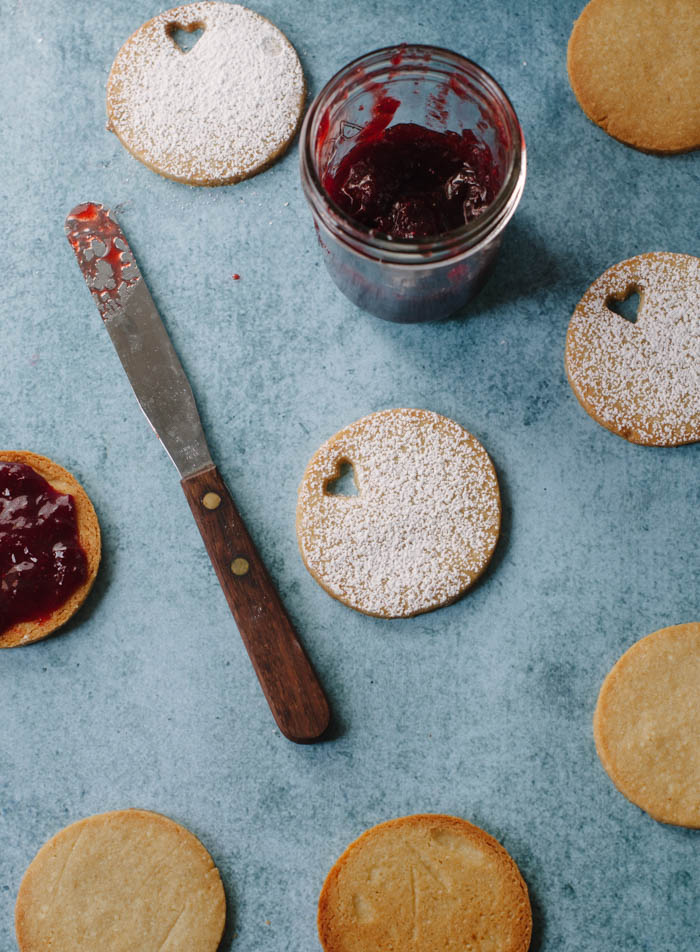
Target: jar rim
{"type": "Point", "coordinates": [465, 238]}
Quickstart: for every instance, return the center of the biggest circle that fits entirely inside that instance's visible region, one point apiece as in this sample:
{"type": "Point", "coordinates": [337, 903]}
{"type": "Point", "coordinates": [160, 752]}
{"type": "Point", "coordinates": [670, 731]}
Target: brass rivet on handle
{"type": "Point", "coordinates": [240, 566]}
{"type": "Point", "coordinates": [211, 500]}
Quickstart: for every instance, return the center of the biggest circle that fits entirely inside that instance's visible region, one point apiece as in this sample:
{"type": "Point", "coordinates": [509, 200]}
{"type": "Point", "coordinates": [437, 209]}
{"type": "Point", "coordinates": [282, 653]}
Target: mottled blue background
{"type": "Point", "coordinates": [482, 709]}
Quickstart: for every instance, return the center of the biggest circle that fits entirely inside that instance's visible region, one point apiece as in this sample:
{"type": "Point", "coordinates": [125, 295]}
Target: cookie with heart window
{"type": "Point", "coordinates": [425, 883]}
{"type": "Point", "coordinates": [215, 113]}
{"type": "Point", "coordinates": [640, 378]}
{"type": "Point", "coordinates": [423, 524]}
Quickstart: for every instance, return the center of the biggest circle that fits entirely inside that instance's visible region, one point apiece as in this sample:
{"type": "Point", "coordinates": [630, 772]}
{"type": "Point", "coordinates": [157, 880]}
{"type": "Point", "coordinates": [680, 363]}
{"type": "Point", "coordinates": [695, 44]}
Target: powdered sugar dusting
{"type": "Point", "coordinates": [642, 379]}
{"type": "Point", "coordinates": [423, 525]}
{"type": "Point", "coordinates": [215, 114]}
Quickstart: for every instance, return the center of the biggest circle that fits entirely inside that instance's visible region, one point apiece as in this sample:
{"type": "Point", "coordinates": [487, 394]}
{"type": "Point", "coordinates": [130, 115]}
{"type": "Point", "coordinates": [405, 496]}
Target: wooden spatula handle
{"type": "Point", "coordinates": [289, 682]}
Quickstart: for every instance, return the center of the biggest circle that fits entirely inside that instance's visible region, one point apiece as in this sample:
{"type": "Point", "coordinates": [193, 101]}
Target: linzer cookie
{"type": "Point", "coordinates": [118, 882]}
{"type": "Point", "coordinates": [635, 70]}
{"type": "Point", "coordinates": [647, 725]}
{"type": "Point", "coordinates": [49, 547]}
{"type": "Point", "coordinates": [218, 113]}
{"type": "Point", "coordinates": [641, 379]}
{"type": "Point", "coordinates": [423, 524]}
{"type": "Point", "coordinates": [425, 883]}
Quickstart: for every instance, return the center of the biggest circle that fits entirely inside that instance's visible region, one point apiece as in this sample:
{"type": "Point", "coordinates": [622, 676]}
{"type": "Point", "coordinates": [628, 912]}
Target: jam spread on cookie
{"type": "Point", "coordinates": [41, 561]}
{"type": "Point", "coordinates": [408, 181]}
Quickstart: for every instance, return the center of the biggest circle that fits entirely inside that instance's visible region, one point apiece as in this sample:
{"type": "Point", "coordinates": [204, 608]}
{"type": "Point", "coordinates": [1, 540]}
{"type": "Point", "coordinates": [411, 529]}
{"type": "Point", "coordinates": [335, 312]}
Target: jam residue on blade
{"type": "Point", "coordinates": [102, 251]}
{"type": "Point", "coordinates": [87, 212]}
{"type": "Point", "coordinates": [408, 182]}
{"type": "Point", "coordinates": [41, 560]}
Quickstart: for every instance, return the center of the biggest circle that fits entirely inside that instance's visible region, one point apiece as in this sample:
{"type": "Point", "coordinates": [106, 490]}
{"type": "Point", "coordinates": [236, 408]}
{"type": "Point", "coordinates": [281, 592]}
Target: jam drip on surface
{"type": "Point", "coordinates": [412, 182]}
{"type": "Point", "coordinates": [41, 561]}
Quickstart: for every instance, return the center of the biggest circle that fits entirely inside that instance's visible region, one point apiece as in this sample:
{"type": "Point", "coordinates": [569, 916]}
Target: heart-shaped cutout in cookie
{"type": "Point", "coordinates": [185, 37]}
{"type": "Point", "coordinates": [344, 483]}
{"type": "Point", "coordinates": [626, 305]}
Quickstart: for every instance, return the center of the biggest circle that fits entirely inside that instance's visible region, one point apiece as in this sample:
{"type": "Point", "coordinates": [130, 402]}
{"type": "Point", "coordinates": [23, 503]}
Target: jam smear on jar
{"type": "Point", "coordinates": [41, 561]}
{"type": "Point", "coordinates": [411, 182]}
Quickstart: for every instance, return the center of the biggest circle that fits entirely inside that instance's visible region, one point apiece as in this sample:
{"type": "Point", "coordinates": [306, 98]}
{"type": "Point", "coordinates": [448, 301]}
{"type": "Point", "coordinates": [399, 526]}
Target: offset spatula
{"type": "Point", "coordinates": [290, 685]}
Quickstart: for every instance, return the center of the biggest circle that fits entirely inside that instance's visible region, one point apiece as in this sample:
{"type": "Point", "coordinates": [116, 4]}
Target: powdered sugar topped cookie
{"type": "Point", "coordinates": [641, 379]}
{"type": "Point", "coordinates": [215, 114]}
{"type": "Point", "coordinates": [424, 522]}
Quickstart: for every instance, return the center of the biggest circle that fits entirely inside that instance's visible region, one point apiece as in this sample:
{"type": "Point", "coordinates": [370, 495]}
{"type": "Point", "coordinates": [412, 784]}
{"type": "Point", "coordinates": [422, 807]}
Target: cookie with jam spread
{"type": "Point", "coordinates": [50, 547]}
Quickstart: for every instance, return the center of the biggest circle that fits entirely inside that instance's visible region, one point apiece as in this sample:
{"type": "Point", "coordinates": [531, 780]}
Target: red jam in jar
{"type": "Point", "coordinates": [41, 560]}
{"type": "Point", "coordinates": [409, 181]}
{"type": "Point", "coordinates": [413, 163]}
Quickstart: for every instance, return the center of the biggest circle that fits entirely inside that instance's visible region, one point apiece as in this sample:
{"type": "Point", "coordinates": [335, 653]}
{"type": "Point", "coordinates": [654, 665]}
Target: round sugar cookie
{"type": "Point", "coordinates": [423, 524]}
{"type": "Point", "coordinates": [635, 70]}
{"type": "Point", "coordinates": [88, 531]}
{"type": "Point", "coordinates": [641, 379]}
{"type": "Point", "coordinates": [121, 881]}
{"type": "Point", "coordinates": [647, 725]}
{"type": "Point", "coordinates": [216, 114]}
{"type": "Point", "coordinates": [425, 883]}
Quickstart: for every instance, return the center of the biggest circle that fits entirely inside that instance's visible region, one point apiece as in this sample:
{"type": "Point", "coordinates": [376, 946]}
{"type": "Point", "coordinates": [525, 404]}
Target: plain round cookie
{"type": "Point", "coordinates": [423, 525]}
{"type": "Point", "coordinates": [425, 883]}
{"type": "Point", "coordinates": [89, 537]}
{"type": "Point", "coordinates": [647, 725]}
{"type": "Point", "coordinates": [219, 113]}
{"type": "Point", "coordinates": [635, 71]}
{"type": "Point", "coordinates": [121, 881]}
{"type": "Point", "coordinates": [641, 379]}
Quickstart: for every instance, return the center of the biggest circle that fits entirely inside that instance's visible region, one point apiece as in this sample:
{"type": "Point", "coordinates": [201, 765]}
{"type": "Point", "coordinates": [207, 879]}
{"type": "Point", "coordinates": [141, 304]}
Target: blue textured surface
{"type": "Point", "coordinates": [482, 709]}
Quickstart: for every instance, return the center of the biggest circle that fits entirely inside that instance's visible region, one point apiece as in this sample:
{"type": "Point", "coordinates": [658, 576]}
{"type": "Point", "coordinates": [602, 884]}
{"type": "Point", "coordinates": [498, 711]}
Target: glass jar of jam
{"type": "Point", "coordinates": [413, 163]}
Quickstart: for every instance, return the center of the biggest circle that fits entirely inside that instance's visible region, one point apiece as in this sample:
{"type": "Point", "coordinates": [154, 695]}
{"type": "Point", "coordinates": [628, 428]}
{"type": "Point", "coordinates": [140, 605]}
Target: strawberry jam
{"type": "Point", "coordinates": [410, 182]}
{"type": "Point", "coordinates": [41, 561]}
